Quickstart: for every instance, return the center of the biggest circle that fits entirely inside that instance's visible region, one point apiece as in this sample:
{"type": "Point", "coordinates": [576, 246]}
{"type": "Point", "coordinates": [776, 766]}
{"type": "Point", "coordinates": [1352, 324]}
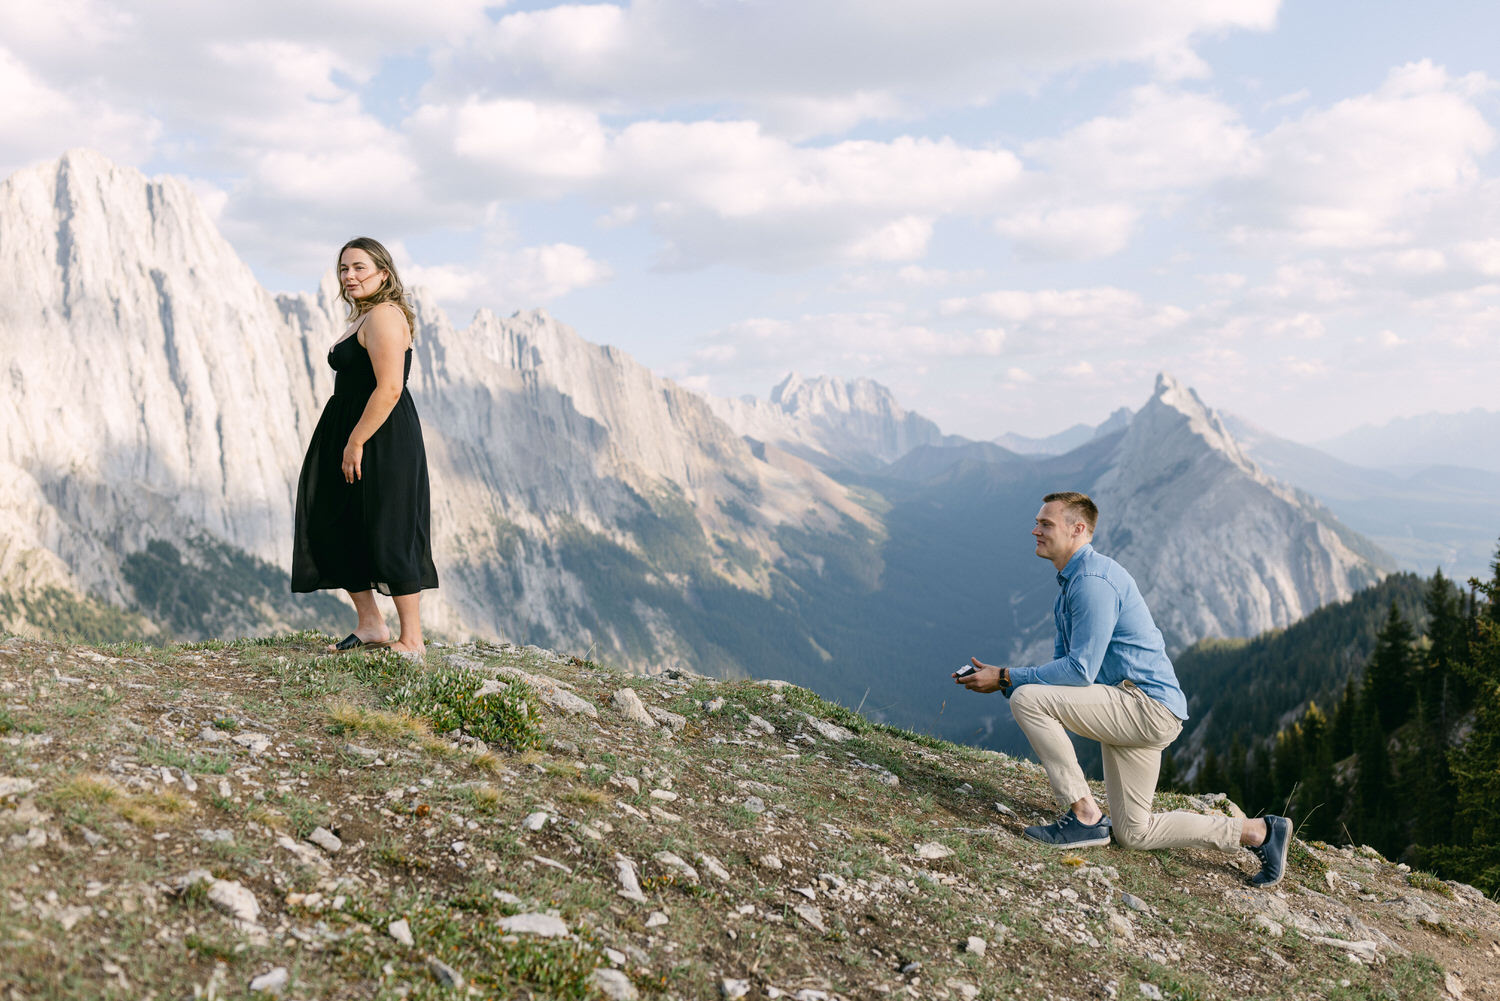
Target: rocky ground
{"type": "Point", "coordinates": [261, 819]}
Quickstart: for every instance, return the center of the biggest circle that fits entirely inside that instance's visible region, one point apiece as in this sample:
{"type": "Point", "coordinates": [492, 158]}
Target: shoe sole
{"type": "Point", "coordinates": [1092, 843]}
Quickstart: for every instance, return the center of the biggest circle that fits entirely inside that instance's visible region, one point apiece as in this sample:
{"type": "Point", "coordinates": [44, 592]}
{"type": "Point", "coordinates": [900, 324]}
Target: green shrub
{"type": "Point", "coordinates": [447, 698]}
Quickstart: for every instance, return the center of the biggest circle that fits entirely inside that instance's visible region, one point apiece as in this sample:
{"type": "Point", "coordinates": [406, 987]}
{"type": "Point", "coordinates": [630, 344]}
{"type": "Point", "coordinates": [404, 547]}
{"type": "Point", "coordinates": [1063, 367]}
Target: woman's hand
{"type": "Point", "coordinates": [353, 457]}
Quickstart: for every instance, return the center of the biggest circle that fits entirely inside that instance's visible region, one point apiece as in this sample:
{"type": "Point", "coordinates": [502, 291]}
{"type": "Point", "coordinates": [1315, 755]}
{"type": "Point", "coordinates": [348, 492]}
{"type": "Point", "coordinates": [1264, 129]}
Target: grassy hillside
{"type": "Point", "coordinates": [239, 820]}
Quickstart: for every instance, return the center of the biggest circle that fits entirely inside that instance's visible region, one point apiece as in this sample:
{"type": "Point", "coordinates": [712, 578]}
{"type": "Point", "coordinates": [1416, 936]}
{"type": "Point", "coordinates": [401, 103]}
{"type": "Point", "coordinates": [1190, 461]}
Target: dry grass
{"type": "Point", "coordinates": [347, 717]}
{"type": "Point", "coordinates": [147, 809]}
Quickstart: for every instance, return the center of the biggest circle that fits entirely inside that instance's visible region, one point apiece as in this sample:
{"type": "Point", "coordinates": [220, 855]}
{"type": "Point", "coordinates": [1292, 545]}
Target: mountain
{"type": "Point", "coordinates": [1217, 546]}
{"type": "Point", "coordinates": [159, 401]}
{"type": "Point", "coordinates": [1469, 439]}
{"type": "Point", "coordinates": [1186, 509]}
{"type": "Point", "coordinates": [836, 424]}
{"type": "Point", "coordinates": [1436, 516]}
{"type": "Point", "coordinates": [1065, 440]}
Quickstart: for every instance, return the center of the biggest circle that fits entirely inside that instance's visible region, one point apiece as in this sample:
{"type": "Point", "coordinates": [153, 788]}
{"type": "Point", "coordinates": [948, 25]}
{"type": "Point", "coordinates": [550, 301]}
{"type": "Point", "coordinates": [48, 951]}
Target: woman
{"type": "Point", "coordinates": [362, 500]}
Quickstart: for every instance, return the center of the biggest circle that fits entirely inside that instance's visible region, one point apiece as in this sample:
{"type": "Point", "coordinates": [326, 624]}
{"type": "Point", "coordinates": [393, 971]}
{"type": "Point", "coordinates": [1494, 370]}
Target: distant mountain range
{"type": "Point", "coordinates": [1468, 440]}
{"type": "Point", "coordinates": [158, 402]}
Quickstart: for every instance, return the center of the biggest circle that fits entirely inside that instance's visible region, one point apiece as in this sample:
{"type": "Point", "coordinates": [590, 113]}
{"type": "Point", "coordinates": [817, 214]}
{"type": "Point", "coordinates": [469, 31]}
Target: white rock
{"type": "Point", "coordinates": [829, 731]}
{"type": "Point", "coordinates": [445, 974]}
{"type": "Point", "coordinates": [272, 981]}
{"type": "Point", "coordinates": [732, 988]}
{"type": "Point", "coordinates": [535, 821]}
{"type": "Point", "coordinates": [256, 742]}
{"type": "Point", "coordinates": [656, 919]}
{"type": "Point", "coordinates": [630, 706]}
{"type": "Point", "coordinates": [401, 932]}
{"type": "Point", "coordinates": [541, 925]}
{"type": "Point", "coordinates": [713, 866]}
{"type": "Point", "coordinates": [672, 721]}
{"type": "Point", "coordinates": [613, 984]}
{"type": "Point", "coordinates": [665, 795]}
{"type": "Point", "coordinates": [757, 723]}
{"type": "Point", "coordinates": [11, 786]}
{"type": "Point", "coordinates": [713, 705]}
{"type": "Point", "coordinates": [1265, 924]}
{"type": "Point", "coordinates": [975, 944]}
{"type": "Point", "coordinates": [933, 850]}
{"type": "Point", "coordinates": [630, 884]}
{"type": "Point", "coordinates": [234, 900]}
{"type": "Point", "coordinates": [810, 914]}
{"type": "Point", "coordinates": [677, 864]}
{"type": "Point", "coordinates": [770, 862]}
{"type": "Point", "coordinates": [1149, 991]}
{"type": "Point", "coordinates": [325, 839]}
{"type": "Point", "coordinates": [755, 804]}
{"type": "Point", "coordinates": [304, 852]}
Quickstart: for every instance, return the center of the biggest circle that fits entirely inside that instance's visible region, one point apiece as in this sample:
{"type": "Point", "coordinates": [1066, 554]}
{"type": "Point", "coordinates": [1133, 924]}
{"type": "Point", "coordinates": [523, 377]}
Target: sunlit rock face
{"type": "Point", "coordinates": [835, 423]}
{"type": "Point", "coordinates": [156, 391]}
{"type": "Point", "coordinates": [1218, 547]}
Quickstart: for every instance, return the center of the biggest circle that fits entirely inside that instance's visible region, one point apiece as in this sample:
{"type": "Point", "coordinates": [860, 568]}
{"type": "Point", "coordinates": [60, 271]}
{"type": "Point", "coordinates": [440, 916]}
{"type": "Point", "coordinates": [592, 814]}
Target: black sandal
{"type": "Point", "coordinates": [353, 642]}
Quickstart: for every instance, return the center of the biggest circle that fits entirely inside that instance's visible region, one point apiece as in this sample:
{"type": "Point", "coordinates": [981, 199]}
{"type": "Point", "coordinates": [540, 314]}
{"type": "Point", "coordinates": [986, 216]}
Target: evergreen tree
{"type": "Point", "coordinates": [1429, 798]}
{"type": "Point", "coordinates": [1341, 732]}
{"type": "Point", "coordinates": [1235, 772]}
{"type": "Point", "coordinates": [1286, 761]}
{"type": "Point", "coordinates": [1259, 791]}
{"type": "Point", "coordinates": [1442, 691]}
{"type": "Point", "coordinates": [1318, 800]}
{"type": "Point", "coordinates": [1211, 776]}
{"type": "Point", "coordinates": [1374, 801]}
{"type": "Point", "coordinates": [1169, 778]}
{"type": "Point", "coordinates": [1475, 854]}
{"type": "Point", "coordinates": [1390, 681]}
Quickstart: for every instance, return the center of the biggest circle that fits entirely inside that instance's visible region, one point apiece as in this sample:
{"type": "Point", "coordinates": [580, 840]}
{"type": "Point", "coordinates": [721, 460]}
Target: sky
{"type": "Point", "coordinates": [1012, 214]}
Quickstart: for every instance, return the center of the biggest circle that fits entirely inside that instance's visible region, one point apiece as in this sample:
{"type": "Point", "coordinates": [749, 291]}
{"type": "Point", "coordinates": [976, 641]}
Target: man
{"type": "Point", "coordinates": [1110, 681]}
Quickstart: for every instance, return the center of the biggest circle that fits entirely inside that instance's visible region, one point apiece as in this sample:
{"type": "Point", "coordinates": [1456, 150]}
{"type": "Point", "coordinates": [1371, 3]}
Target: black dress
{"type": "Point", "coordinates": [374, 532]}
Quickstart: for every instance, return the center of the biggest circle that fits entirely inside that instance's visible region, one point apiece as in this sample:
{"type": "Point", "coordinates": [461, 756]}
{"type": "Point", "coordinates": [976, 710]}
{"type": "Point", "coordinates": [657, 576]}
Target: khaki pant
{"type": "Point", "coordinates": [1132, 728]}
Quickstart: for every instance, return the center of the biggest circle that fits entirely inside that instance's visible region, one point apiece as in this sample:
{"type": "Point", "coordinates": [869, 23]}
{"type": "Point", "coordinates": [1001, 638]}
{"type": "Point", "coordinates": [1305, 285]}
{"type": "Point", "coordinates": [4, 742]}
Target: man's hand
{"type": "Point", "coordinates": [987, 678]}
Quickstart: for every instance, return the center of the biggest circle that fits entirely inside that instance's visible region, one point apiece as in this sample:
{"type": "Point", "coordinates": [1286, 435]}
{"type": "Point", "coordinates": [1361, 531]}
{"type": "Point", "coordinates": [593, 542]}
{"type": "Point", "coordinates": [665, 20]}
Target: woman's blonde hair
{"type": "Point", "coordinates": [390, 289]}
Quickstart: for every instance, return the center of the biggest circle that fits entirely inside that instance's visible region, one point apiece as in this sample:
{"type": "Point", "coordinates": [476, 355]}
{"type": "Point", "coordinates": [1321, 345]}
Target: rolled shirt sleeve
{"type": "Point", "coordinates": [1093, 609]}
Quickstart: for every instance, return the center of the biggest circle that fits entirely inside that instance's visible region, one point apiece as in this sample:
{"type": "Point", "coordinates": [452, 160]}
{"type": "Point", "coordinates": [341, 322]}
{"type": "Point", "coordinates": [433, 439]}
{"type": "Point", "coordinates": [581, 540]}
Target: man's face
{"type": "Point", "coordinates": [1055, 535]}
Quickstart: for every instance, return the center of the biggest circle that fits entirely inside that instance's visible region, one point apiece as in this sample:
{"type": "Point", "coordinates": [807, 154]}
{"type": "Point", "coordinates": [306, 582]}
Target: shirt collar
{"type": "Point", "coordinates": [1066, 573]}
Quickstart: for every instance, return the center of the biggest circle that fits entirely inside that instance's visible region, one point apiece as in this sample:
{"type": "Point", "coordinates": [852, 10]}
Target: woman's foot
{"type": "Point", "coordinates": [363, 636]}
{"type": "Point", "coordinates": [407, 648]}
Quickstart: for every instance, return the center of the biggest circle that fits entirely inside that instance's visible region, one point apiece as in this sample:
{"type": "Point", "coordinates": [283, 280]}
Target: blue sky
{"type": "Point", "coordinates": [1014, 215]}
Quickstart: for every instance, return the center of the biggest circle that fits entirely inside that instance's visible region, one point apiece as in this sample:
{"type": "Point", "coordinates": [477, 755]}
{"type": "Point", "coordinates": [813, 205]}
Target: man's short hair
{"type": "Point", "coordinates": [1079, 506]}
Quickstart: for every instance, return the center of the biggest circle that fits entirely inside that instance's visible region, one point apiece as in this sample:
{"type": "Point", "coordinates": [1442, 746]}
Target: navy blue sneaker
{"type": "Point", "coordinates": [1272, 854]}
{"type": "Point", "coordinates": [1069, 832]}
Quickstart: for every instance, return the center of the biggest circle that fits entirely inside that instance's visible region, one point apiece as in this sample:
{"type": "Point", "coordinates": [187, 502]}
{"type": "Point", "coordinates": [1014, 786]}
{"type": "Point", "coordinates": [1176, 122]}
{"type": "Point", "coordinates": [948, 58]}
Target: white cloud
{"type": "Point", "coordinates": [839, 58]}
{"type": "Point", "coordinates": [1364, 170]}
{"type": "Point", "coordinates": [514, 147]}
{"type": "Point", "coordinates": [1076, 232]}
{"type": "Point", "coordinates": [508, 279]}
{"type": "Point", "coordinates": [1165, 139]}
{"type": "Point", "coordinates": [34, 117]}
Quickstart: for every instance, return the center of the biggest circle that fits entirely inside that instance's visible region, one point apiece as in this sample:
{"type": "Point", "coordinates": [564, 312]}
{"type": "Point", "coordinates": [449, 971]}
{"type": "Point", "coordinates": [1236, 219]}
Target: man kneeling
{"type": "Point", "coordinates": [1110, 681]}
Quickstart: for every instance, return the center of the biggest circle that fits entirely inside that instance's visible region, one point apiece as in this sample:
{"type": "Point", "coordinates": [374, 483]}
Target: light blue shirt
{"type": "Point", "coordinates": [1105, 635]}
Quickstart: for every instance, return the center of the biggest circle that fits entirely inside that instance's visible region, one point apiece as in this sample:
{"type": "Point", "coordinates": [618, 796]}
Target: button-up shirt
{"type": "Point", "coordinates": [1105, 635]}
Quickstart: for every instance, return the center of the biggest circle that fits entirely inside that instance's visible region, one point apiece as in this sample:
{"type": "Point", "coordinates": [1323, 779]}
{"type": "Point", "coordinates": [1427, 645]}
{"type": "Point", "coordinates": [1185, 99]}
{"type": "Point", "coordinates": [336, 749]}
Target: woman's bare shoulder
{"type": "Point", "coordinates": [386, 319]}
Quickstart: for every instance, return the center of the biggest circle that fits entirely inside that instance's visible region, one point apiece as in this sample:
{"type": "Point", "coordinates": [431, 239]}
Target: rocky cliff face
{"type": "Point", "coordinates": [835, 423]}
{"type": "Point", "coordinates": [152, 389]}
{"type": "Point", "coordinates": [1189, 514]}
{"type": "Point", "coordinates": [156, 392]}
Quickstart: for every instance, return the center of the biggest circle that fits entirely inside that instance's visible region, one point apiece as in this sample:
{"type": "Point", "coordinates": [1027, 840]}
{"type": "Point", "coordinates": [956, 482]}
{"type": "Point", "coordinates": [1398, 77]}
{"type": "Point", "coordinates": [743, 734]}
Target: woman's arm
{"type": "Point", "coordinates": [384, 336]}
